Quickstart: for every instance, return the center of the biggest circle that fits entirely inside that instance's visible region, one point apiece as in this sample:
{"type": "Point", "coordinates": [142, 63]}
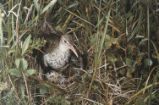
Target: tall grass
{"type": "Point", "coordinates": [119, 39]}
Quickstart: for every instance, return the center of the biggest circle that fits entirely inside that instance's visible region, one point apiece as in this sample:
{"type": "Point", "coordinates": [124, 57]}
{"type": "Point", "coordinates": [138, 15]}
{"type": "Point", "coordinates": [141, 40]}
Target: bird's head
{"type": "Point", "coordinates": [66, 43]}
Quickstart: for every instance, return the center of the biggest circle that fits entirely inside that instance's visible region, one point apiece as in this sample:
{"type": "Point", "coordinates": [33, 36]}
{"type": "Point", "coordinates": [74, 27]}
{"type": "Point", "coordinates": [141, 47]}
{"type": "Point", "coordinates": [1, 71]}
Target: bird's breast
{"type": "Point", "coordinates": [56, 59]}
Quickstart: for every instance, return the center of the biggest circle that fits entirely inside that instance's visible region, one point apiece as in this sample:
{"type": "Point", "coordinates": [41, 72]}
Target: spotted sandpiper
{"type": "Point", "coordinates": [57, 54]}
{"type": "Point", "coordinates": [57, 51]}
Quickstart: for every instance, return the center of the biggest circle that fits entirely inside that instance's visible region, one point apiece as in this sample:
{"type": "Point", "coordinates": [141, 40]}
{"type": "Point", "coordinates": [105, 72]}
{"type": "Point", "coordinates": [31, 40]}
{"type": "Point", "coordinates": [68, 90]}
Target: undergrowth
{"type": "Point", "coordinates": [118, 37]}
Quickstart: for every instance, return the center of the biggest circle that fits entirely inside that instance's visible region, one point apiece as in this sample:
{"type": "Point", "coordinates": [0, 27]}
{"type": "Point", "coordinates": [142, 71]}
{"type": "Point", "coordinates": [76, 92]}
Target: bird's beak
{"type": "Point", "coordinates": [73, 50]}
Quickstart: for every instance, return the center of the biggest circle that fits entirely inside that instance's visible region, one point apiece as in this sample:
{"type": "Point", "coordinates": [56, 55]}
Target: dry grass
{"type": "Point", "coordinates": [118, 37]}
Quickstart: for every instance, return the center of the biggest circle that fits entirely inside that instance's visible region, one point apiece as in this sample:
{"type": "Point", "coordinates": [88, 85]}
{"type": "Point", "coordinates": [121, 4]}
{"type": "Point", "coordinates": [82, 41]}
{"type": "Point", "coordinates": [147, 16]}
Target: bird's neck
{"type": "Point", "coordinates": [62, 48]}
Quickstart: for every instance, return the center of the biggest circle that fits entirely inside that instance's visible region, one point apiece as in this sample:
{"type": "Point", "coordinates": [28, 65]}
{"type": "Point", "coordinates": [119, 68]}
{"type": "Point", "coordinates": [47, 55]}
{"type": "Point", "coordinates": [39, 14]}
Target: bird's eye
{"type": "Point", "coordinates": [65, 41]}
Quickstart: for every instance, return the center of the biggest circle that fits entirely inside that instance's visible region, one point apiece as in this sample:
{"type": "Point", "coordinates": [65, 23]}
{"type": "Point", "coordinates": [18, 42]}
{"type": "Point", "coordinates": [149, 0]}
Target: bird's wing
{"type": "Point", "coordinates": [52, 42]}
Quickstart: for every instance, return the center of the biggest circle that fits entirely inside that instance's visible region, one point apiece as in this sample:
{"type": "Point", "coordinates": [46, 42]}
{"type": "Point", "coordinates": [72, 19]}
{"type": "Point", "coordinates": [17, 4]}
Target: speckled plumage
{"type": "Point", "coordinates": [56, 59]}
{"type": "Point", "coordinates": [58, 52]}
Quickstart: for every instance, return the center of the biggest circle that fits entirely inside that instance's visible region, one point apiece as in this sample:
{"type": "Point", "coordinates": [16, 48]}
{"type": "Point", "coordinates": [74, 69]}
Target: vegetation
{"type": "Point", "coordinates": [119, 38]}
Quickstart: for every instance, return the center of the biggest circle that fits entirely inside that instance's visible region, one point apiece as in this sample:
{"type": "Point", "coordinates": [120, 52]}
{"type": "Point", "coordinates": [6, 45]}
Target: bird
{"type": "Point", "coordinates": [56, 55]}
{"type": "Point", "coordinates": [58, 51]}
